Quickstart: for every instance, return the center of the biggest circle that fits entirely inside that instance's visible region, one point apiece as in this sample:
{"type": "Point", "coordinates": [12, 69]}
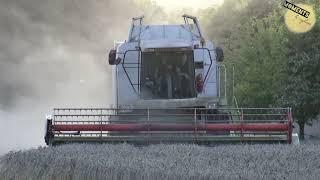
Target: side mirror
{"type": "Point", "coordinates": [112, 57]}
{"type": "Point", "coordinates": [219, 53]}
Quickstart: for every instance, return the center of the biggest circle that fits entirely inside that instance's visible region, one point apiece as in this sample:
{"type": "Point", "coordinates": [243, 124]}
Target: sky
{"type": "Point", "coordinates": [199, 4]}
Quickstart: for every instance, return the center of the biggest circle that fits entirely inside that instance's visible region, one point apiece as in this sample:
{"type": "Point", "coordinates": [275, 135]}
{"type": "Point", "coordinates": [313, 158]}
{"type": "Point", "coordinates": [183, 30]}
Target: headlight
{"type": "Point", "coordinates": [212, 106]}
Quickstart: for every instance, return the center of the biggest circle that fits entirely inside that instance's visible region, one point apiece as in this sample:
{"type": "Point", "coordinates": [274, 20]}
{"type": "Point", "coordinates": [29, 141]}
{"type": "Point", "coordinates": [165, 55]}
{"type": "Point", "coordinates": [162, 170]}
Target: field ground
{"type": "Point", "coordinates": [123, 161]}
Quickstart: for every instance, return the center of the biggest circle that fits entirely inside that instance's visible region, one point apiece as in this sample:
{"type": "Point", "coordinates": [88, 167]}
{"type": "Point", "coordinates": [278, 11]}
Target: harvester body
{"type": "Point", "coordinates": [169, 86]}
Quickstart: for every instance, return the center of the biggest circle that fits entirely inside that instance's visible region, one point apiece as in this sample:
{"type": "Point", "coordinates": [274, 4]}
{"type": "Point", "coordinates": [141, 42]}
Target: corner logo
{"type": "Point", "coordinates": [299, 18]}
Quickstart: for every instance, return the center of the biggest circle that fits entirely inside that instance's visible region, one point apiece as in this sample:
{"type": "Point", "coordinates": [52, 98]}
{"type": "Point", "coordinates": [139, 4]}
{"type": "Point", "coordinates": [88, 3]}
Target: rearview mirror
{"type": "Point", "coordinates": [219, 54]}
{"type": "Point", "coordinates": [112, 57]}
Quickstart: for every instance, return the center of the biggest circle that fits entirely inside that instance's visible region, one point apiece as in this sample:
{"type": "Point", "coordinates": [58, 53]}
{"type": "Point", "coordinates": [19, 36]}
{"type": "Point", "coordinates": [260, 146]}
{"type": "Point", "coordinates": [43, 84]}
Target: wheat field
{"type": "Point", "coordinates": [123, 161]}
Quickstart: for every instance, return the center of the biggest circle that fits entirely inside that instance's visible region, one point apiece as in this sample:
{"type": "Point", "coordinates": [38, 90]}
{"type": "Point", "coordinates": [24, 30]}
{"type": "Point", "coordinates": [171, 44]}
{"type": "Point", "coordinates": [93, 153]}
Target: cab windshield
{"type": "Point", "coordinates": [167, 75]}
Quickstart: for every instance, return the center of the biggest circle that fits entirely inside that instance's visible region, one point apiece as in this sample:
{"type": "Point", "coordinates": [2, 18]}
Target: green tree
{"type": "Point", "coordinates": [254, 40]}
{"type": "Point", "coordinates": [301, 85]}
{"type": "Point", "coordinates": [261, 56]}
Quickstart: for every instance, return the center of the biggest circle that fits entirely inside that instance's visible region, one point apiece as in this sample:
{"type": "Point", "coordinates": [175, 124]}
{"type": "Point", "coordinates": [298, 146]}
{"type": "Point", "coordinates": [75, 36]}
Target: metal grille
{"type": "Point", "coordinates": [166, 125]}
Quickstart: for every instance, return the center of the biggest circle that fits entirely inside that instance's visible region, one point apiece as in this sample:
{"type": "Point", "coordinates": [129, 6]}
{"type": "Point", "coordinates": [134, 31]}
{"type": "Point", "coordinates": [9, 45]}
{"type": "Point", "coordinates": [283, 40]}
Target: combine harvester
{"type": "Point", "coordinates": [169, 86]}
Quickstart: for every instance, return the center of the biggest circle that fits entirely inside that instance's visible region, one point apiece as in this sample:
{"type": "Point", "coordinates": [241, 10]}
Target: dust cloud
{"type": "Point", "coordinates": [53, 54]}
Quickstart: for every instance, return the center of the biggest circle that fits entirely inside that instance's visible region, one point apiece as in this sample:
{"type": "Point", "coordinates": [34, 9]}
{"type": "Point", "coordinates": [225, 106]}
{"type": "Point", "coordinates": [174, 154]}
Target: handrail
{"type": "Point", "coordinates": [93, 109]}
{"type": "Point", "coordinates": [220, 67]}
{"type": "Point", "coordinates": [250, 114]}
{"type": "Point", "coordinates": [124, 68]}
{"type": "Point", "coordinates": [235, 101]}
{"type": "Point", "coordinates": [211, 62]}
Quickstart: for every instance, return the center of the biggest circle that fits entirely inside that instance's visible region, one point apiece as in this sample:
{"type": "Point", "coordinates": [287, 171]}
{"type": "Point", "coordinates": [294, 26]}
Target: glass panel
{"type": "Point", "coordinates": [167, 75]}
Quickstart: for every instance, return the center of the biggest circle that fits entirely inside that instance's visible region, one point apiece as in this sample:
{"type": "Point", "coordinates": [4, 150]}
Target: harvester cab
{"type": "Point", "coordinates": [162, 66]}
{"type": "Point", "coordinates": [169, 86]}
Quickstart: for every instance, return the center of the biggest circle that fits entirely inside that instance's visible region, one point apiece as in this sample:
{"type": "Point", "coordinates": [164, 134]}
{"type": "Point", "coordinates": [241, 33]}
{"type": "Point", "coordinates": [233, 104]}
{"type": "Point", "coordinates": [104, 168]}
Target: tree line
{"type": "Point", "coordinates": [273, 66]}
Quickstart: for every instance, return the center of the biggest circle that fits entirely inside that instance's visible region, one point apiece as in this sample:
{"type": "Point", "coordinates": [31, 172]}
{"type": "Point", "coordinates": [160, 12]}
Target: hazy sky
{"type": "Point", "coordinates": [173, 4]}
